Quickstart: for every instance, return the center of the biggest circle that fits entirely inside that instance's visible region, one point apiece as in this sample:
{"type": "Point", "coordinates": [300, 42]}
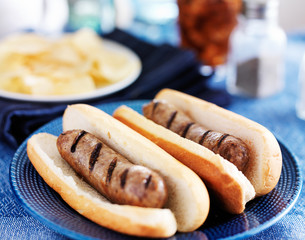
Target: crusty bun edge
{"type": "Point", "coordinates": [188, 196]}
{"type": "Point", "coordinates": [57, 173]}
{"type": "Point", "coordinates": [232, 188]}
{"type": "Point", "coordinates": [264, 168]}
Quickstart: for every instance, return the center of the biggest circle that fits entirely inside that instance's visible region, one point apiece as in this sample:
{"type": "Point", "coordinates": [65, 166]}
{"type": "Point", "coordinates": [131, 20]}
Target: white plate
{"type": "Point", "coordinates": [100, 92]}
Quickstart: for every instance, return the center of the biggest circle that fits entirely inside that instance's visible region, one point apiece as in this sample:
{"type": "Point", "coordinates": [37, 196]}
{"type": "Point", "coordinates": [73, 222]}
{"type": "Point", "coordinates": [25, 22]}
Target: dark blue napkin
{"type": "Point", "coordinates": [163, 66]}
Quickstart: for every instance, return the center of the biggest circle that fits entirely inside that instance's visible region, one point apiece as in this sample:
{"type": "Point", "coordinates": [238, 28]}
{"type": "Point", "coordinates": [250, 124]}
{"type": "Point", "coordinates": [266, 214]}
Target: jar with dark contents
{"type": "Point", "coordinates": [258, 44]}
{"type": "Point", "coordinates": [205, 27]}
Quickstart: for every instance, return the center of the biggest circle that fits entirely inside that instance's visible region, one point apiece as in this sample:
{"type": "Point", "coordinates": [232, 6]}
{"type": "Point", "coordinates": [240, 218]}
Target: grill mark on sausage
{"type": "Point", "coordinates": [111, 167]}
{"type": "Point", "coordinates": [204, 136]}
{"type": "Point", "coordinates": [147, 181]}
{"type": "Point", "coordinates": [229, 147]}
{"type": "Point", "coordinates": [223, 137]}
{"type": "Point", "coordinates": [94, 155]}
{"type": "Point", "coordinates": [124, 177]}
{"type": "Point", "coordinates": [76, 140]}
{"type": "Point", "coordinates": [186, 129]}
{"type": "Point", "coordinates": [171, 119]}
{"type": "Point", "coordinates": [156, 103]}
{"type": "Point", "coordinates": [112, 175]}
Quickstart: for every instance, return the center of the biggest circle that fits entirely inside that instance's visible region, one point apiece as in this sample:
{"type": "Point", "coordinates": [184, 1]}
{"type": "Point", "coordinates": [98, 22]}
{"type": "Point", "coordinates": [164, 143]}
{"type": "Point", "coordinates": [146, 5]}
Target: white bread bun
{"type": "Point", "coordinates": [265, 165]}
{"type": "Point", "coordinates": [188, 197]}
{"type": "Point", "coordinates": [57, 173]}
{"type": "Point", "coordinates": [228, 183]}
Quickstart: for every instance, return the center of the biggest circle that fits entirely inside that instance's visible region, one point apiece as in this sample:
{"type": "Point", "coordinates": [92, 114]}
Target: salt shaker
{"type": "Point", "coordinates": [257, 46]}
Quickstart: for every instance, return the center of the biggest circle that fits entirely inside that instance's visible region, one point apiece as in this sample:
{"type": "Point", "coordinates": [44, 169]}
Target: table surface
{"type": "Point", "coordinates": [277, 113]}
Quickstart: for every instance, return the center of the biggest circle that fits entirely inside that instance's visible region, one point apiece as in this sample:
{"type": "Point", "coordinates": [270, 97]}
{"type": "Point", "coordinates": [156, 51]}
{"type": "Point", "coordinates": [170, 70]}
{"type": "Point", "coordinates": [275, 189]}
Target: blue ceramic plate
{"type": "Point", "coordinates": [47, 206]}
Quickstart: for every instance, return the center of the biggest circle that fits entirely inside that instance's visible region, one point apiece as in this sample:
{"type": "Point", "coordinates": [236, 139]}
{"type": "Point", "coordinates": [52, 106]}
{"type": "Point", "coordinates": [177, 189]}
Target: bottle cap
{"type": "Point", "coordinates": [260, 9]}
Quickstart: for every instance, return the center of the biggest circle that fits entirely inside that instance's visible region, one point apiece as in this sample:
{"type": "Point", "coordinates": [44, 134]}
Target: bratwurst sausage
{"type": "Point", "coordinates": [110, 173]}
{"type": "Point", "coordinates": [229, 147]}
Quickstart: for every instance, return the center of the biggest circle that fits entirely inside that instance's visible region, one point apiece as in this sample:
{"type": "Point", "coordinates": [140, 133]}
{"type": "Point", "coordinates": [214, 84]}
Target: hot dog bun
{"type": "Point", "coordinates": [266, 164]}
{"type": "Point", "coordinates": [232, 187]}
{"type": "Point", "coordinates": [188, 197]}
{"type": "Point", "coordinates": [58, 174]}
{"type": "Point", "coordinates": [229, 184]}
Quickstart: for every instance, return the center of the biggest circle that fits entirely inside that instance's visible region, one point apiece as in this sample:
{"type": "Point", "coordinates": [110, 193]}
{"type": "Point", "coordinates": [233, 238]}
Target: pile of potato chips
{"type": "Point", "coordinates": [72, 64]}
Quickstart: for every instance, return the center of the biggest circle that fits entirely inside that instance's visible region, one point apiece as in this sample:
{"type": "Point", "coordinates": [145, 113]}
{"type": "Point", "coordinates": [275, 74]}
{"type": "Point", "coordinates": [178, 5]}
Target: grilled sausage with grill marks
{"type": "Point", "coordinates": [117, 178]}
{"type": "Point", "coordinates": [229, 147]}
{"type": "Point", "coordinates": [110, 173]}
{"type": "Point", "coordinates": [237, 158]}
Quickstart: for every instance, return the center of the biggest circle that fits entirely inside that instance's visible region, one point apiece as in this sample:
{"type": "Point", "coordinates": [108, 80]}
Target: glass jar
{"type": "Point", "coordinates": [256, 61]}
{"type": "Point", "coordinates": [98, 15]}
{"type": "Point", "coordinates": [206, 25]}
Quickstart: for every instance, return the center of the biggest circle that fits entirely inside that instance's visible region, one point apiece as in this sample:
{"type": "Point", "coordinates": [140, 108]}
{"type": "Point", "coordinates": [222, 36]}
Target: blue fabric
{"type": "Point", "coordinates": [277, 113]}
{"type": "Point", "coordinates": [163, 66]}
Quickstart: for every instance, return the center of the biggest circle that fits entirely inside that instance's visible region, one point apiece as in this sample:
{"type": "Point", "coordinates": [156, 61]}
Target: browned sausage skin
{"type": "Point", "coordinates": [110, 173]}
{"type": "Point", "coordinates": [229, 147]}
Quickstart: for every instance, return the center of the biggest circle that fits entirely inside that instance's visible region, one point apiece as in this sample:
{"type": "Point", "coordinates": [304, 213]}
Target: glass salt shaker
{"type": "Point", "coordinates": [257, 46]}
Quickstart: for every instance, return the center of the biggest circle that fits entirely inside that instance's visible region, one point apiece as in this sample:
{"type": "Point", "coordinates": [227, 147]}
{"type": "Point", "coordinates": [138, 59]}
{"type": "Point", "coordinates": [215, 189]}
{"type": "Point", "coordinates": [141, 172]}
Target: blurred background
{"type": "Point", "coordinates": [52, 16]}
{"type": "Point", "coordinates": [204, 26]}
{"type": "Point", "coordinates": [291, 15]}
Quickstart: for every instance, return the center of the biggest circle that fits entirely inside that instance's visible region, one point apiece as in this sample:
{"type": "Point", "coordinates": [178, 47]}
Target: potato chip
{"type": "Point", "coordinates": [27, 43]}
{"type": "Point", "coordinates": [61, 54]}
{"type": "Point", "coordinates": [87, 43]}
{"type": "Point", "coordinates": [116, 67]}
{"type": "Point", "coordinates": [74, 85]}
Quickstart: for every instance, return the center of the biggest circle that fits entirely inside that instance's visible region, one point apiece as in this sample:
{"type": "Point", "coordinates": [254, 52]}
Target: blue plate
{"type": "Point", "coordinates": [46, 205]}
